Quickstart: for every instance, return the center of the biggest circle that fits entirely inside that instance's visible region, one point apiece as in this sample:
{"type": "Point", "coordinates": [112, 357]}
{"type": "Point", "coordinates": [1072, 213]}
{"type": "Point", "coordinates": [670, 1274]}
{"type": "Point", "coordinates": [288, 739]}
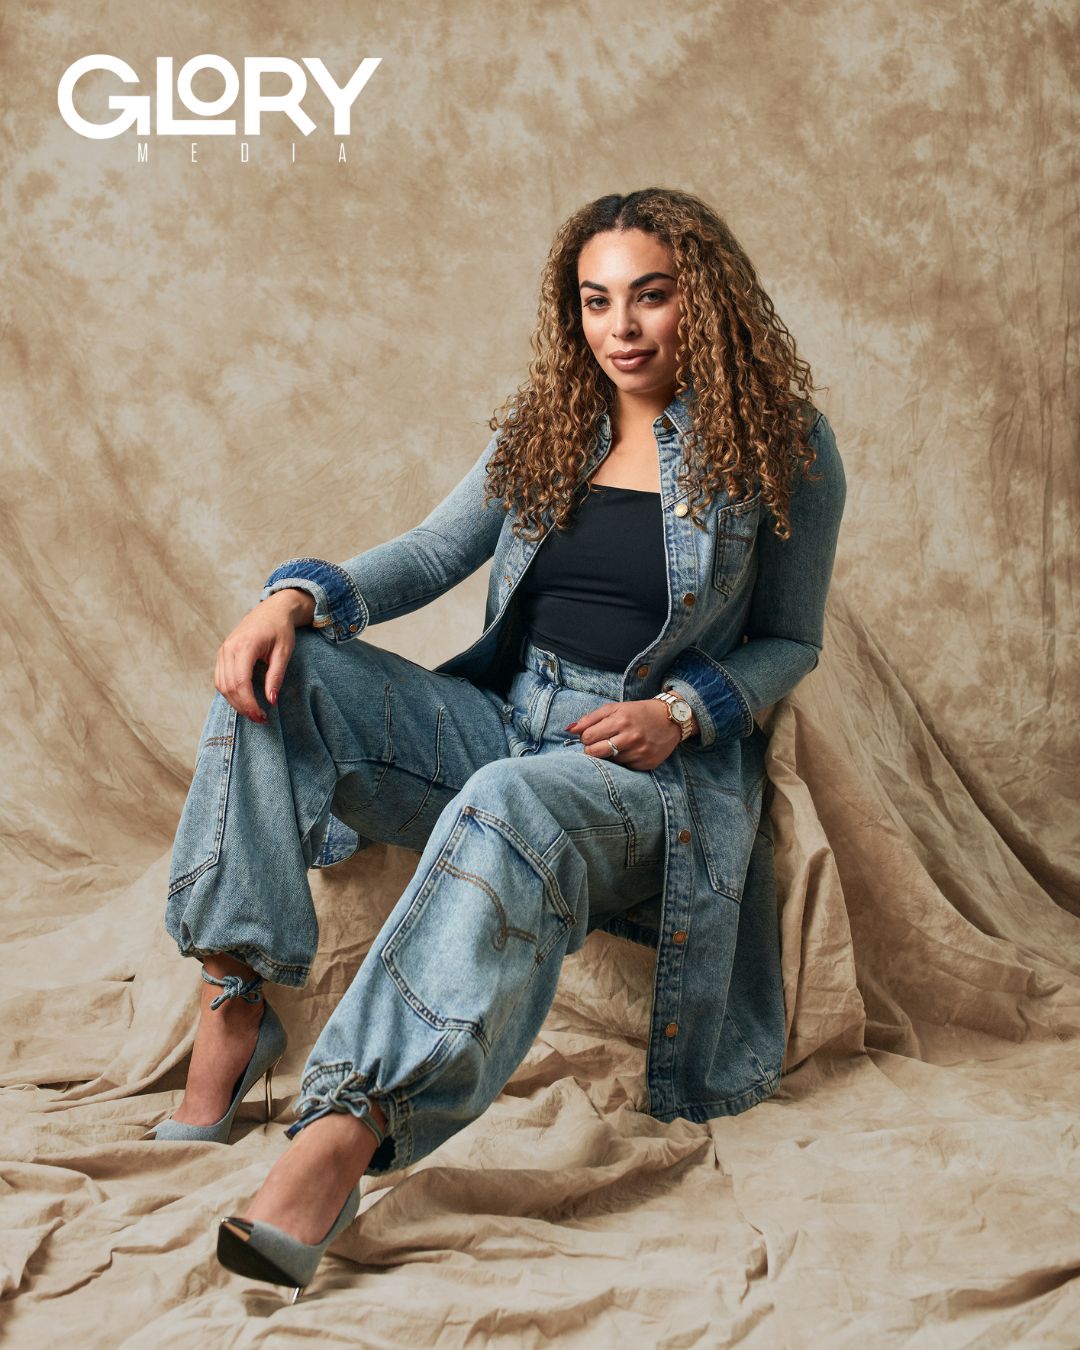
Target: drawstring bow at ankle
{"type": "Point", "coordinates": [235, 987]}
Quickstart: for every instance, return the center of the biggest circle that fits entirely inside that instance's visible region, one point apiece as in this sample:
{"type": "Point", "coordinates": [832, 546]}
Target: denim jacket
{"type": "Point", "coordinates": [745, 623]}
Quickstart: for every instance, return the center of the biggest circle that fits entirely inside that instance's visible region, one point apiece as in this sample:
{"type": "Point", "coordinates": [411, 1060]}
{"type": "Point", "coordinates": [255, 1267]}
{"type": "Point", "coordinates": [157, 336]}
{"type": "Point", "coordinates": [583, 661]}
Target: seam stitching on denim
{"type": "Point", "coordinates": [505, 928]}
{"type": "Point", "coordinates": [528, 853]}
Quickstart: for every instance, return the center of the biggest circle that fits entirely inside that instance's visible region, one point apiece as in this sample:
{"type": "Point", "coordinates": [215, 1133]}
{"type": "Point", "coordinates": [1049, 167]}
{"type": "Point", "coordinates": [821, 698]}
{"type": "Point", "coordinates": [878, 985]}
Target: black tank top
{"type": "Point", "coordinates": [598, 593]}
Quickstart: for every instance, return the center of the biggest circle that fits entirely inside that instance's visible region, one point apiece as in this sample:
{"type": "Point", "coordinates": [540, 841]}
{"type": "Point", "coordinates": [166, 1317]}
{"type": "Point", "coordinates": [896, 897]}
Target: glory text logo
{"type": "Point", "coordinates": [134, 110]}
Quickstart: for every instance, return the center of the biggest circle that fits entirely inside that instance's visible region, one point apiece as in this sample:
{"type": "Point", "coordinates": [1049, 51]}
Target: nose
{"type": "Point", "coordinates": [623, 322]}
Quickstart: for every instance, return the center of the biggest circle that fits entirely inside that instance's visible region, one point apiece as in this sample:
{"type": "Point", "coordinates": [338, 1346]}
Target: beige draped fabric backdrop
{"type": "Point", "coordinates": [210, 366]}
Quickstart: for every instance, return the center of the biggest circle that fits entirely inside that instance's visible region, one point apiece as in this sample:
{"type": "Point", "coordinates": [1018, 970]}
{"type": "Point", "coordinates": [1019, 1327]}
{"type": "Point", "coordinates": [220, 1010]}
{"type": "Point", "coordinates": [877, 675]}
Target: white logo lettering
{"type": "Point", "coordinates": [134, 109]}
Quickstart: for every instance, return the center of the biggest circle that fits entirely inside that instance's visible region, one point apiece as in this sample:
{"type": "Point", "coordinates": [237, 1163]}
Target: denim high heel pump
{"type": "Point", "coordinates": [269, 1048]}
{"type": "Point", "coordinates": [262, 1251]}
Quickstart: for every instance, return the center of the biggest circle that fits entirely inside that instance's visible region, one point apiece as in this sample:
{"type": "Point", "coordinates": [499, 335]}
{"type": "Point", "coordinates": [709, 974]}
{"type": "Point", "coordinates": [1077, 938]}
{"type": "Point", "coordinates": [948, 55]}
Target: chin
{"type": "Point", "coordinates": [625, 381]}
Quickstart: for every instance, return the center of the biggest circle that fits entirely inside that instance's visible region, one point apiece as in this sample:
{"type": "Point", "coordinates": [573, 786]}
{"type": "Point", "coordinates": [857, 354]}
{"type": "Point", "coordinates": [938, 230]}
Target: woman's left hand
{"type": "Point", "coordinates": [643, 732]}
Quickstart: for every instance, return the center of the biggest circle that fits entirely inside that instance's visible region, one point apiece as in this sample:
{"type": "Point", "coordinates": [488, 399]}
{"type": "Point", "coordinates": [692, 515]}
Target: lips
{"type": "Point", "coordinates": [631, 360]}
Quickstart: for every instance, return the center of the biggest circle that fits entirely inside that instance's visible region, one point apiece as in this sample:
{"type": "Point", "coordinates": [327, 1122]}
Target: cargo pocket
{"type": "Point", "coordinates": [197, 846]}
{"type": "Point", "coordinates": [487, 915]}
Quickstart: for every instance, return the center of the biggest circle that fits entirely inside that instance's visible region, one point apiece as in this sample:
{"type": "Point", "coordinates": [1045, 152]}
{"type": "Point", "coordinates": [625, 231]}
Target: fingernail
{"type": "Point", "coordinates": [272, 696]}
{"type": "Point", "coordinates": [570, 726]}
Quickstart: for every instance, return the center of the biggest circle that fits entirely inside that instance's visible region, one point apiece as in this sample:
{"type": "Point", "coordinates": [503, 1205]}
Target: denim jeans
{"type": "Point", "coordinates": [526, 844]}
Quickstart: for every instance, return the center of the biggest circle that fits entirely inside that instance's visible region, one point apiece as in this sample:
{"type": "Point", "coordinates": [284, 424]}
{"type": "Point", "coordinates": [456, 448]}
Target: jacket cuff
{"type": "Point", "coordinates": [340, 611]}
{"type": "Point", "coordinates": [720, 708]}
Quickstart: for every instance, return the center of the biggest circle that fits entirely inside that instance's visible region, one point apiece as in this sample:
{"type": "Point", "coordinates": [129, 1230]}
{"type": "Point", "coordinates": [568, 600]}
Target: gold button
{"type": "Point", "coordinates": [689, 598]}
{"type": "Point", "coordinates": [681, 509]}
{"type": "Point", "coordinates": [672, 1029]}
{"type": "Point", "coordinates": [679, 937]}
{"type": "Point", "coordinates": [667, 423]}
{"type": "Point", "coordinates": [684, 836]}
{"type": "Point", "coordinates": [353, 627]}
{"type": "Point", "coordinates": [642, 671]}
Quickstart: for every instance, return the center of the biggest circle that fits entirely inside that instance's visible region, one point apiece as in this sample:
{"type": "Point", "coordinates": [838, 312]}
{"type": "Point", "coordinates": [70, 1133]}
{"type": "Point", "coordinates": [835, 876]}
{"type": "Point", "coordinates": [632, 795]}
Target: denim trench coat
{"type": "Point", "coordinates": [744, 625]}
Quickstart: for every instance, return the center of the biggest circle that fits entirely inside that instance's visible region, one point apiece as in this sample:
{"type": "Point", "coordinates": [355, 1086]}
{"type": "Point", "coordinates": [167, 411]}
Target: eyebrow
{"type": "Point", "coordinates": [638, 281]}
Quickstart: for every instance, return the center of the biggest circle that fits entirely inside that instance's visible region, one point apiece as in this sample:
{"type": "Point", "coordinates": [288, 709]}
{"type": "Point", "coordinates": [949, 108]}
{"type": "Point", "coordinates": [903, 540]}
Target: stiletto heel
{"type": "Point", "coordinates": [262, 1251]}
{"type": "Point", "coordinates": [269, 1048]}
{"type": "Point", "coordinates": [270, 1094]}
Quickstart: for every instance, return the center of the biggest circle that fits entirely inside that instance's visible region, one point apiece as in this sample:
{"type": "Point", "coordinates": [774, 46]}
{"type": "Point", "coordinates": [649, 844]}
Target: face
{"type": "Point", "coordinates": [629, 304]}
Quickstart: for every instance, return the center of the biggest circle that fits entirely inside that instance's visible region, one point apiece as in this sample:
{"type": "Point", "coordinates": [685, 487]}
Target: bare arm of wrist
{"type": "Point", "coordinates": [299, 605]}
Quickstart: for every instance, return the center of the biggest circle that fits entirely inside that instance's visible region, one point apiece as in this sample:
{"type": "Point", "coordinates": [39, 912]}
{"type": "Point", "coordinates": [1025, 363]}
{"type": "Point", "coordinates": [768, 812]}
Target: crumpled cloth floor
{"type": "Point", "coordinates": [913, 1182]}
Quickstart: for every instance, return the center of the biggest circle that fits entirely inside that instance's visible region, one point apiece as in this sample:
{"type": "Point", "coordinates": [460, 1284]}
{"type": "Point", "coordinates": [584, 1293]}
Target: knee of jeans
{"type": "Point", "coordinates": [309, 655]}
{"type": "Point", "coordinates": [500, 788]}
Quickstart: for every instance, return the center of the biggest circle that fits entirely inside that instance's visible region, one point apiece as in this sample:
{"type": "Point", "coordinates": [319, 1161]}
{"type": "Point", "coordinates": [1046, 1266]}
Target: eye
{"type": "Point", "coordinates": [659, 295]}
{"type": "Point", "coordinates": [593, 301]}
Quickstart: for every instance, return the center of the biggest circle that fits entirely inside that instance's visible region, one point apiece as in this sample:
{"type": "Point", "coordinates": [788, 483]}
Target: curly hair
{"type": "Point", "coordinates": [750, 428]}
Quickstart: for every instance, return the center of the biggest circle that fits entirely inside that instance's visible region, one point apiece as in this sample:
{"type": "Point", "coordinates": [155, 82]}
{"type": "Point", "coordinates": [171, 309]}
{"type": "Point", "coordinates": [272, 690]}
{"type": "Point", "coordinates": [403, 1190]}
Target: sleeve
{"type": "Point", "coordinates": [786, 623]}
{"type": "Point", "coordinates": [405, 573]}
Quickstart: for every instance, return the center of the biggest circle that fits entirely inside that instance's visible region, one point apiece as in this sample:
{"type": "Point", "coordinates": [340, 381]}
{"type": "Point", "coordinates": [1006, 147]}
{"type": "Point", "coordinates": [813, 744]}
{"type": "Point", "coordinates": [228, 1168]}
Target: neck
{"type": "Point", "coordinates": [636, 411]}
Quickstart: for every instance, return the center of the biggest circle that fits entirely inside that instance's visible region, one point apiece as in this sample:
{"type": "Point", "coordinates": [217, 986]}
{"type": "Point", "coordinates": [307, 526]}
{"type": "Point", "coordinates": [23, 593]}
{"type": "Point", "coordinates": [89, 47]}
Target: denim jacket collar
{"type": "Point", "coordinates": [678, 412]}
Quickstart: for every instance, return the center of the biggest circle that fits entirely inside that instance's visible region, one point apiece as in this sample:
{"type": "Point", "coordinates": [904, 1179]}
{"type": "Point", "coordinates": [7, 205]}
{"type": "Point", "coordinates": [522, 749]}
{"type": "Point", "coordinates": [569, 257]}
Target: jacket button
{"type": "Point", "coordinates": [667, 424]}
{"type": "Point", "coordinates": [672, 1029]}
{"type": "Point", "coordinates": [689, 598]}
{"type": "Point", "coordinates": [642, 671]}
{"type": "Point", "coordinates": [353, 627]}
{"type": "Point", "coordinates": [679, 937]}
{"type": "Point", "coordinates": [681, 509]}
{"type": "Point", "coordinates": [684, 836]}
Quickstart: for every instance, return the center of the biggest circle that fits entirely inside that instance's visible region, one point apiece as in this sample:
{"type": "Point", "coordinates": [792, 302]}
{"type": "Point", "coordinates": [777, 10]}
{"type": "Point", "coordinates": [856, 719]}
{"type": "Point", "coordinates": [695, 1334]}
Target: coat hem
{"type": "Point", "coordinates": [700, 1113]}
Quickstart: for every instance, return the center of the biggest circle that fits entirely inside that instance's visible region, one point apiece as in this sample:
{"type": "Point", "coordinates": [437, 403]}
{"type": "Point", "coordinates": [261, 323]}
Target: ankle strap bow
{"type": "Point", "coordinates": [235, 987]}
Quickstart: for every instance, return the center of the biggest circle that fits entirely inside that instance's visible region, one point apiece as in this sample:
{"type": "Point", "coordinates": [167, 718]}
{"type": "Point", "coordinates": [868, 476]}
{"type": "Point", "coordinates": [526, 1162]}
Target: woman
{"type": "Point", "coordinates": [592, 760]}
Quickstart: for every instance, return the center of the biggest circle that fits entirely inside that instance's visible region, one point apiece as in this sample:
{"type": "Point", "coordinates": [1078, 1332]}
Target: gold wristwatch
{"type": "Point", "coordinates": [679, 711]}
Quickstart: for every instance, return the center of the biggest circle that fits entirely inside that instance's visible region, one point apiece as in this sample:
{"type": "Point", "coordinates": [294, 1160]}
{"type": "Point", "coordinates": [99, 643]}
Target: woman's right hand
{"type": "Point", "coordinates": [267, 633]}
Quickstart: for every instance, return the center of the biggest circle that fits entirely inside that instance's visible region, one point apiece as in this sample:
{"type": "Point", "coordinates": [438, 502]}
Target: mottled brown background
{"type": "Point", "coordinates": [210, 367]}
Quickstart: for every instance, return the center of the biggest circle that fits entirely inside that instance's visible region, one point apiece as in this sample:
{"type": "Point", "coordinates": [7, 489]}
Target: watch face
{"type": "Point", "coordinates": [681, 710]}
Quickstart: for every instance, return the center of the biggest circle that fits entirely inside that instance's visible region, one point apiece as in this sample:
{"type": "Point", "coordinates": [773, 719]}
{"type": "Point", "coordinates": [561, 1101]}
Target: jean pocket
{"type": "Point", "coordinates": [485, 918]}
{"type": "Point", "coordinates": [197, 846]}
{"type": "Point", "coordinates": [736, 536]}
{"type": "Point", "coordinates": [726, 826]}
